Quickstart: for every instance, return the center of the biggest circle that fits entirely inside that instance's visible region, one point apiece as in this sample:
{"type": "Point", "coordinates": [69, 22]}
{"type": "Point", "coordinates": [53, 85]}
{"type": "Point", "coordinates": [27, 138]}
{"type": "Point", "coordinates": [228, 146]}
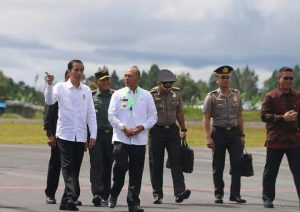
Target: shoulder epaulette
{"type": "Point", "coordinates": [153, 90]}
{"type": "Point", "coordinates": [94, 92]}
{"type": "Point", "coordinates": [213, 92]}
{"type": "Point", "coordinates": [175, 88]}
{"type": "Point", "coordinates": [235, 90]}
{"type": "Point", "coordinates": [112, 90]}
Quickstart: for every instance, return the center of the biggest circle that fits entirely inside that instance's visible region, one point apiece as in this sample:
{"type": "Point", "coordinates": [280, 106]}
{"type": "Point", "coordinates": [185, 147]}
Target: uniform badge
{"type": "Point", "coordinates": [235, 101]}
{"type": "Point", "coordinates": [124, 102]}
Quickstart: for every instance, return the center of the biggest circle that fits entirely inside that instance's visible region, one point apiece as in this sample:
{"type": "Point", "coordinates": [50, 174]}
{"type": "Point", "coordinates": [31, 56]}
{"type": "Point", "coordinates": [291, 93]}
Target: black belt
{"type": "Point", "coordinates": [105, 131]}
{"type": "Point", "coordinates": [234, 128]}
{"type": "Point", "coordinates": [167, 126]}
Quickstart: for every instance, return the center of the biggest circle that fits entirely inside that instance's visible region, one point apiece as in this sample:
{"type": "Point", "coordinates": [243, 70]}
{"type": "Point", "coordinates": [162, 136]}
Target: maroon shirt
{"type": "Point", "coordinates": [280, 134]}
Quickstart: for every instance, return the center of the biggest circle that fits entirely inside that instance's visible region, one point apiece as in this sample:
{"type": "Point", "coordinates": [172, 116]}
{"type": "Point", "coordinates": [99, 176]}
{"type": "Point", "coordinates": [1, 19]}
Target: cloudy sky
{"type": "Point", "coordinates": [193, 36]}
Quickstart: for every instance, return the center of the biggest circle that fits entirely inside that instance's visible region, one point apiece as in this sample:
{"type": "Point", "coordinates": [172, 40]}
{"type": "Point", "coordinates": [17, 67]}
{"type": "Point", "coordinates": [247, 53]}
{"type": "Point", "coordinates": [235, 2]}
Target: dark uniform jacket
{"type": "Point", "coordinates": [167, 103]}
{"type": "Point", "coordinates": [101, 102]}
{"type": "Point", "coordinates": [50, 117]}
{"type": "Point", "coordinates": [280, 134]}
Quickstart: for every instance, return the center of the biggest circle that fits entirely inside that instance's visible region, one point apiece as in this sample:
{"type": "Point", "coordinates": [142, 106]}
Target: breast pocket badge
{"type": "Point", "coordinates": [124, 102]}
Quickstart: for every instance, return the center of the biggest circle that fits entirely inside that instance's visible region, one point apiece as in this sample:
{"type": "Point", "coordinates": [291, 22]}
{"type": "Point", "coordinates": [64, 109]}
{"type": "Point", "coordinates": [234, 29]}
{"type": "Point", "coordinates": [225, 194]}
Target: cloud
{"type": "Point", "coordinates": [194, 35]}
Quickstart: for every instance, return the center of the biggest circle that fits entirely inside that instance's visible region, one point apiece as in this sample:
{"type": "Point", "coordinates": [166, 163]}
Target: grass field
{"type": "Point", "coordinates": [255, 136]}
{"type": "Point", "coordinates": [196, 114]}
{"type": "Point", "coordinates": [21, 132]}
{"type": "Point", "coordinates": [31, 132]}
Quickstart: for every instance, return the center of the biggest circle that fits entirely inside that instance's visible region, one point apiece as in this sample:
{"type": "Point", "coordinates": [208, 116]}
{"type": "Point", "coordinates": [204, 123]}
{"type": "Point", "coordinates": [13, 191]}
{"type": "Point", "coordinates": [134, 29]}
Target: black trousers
{"type": "Point", "coordinates": [273, 161]}
{"type": "Point", "coordinates": [161, 138]}
{"type": "Point", "coordinates": [101, 160]}
{"type": "Point", "coordinates": [231, 141]}
{"type": "Point", "coordinates": [71, 155]}
{"type": "Point", "coordinates": [132, 158]}
{"type": "Point", "coordinates": [53, 172]}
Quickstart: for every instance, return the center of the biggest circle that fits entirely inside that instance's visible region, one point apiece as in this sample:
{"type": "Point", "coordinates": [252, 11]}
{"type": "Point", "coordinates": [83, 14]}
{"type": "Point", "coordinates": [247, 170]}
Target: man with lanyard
{"type": "Point", "coordinates": [224, 107]}
{"type": "Point", "coordinates": [165, 135]}
{"type": "Point", "coordinates": [131, 112]}
{"type": "Point", "coordinates": [101, 156]}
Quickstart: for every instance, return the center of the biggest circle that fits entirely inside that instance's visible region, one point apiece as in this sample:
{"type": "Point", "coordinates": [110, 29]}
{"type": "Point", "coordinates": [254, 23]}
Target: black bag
{"type": "Point", "coordinates": [246, 165]}
{"type": "Point", "coordinates": [187, 158]}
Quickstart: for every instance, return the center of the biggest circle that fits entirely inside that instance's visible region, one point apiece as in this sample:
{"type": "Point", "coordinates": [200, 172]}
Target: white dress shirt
{"type": "Point", "coordinates": [76, 110]}
{"type": "Point", "coordinates": [143, 113]}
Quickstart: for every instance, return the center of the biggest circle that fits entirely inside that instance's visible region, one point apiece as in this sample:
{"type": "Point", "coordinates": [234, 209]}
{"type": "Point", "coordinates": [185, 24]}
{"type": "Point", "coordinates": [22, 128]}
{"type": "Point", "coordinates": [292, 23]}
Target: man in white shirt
{"type": "Point", "coordinates": [131, 112]}
{"type": "Point", "coordinates": [76, 112]}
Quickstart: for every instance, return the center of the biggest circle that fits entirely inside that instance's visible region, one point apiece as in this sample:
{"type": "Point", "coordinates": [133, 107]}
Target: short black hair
{"type": "Point", "coordinates": [284, 69]}
{"type": "Point", "coordinates": [71, 63]}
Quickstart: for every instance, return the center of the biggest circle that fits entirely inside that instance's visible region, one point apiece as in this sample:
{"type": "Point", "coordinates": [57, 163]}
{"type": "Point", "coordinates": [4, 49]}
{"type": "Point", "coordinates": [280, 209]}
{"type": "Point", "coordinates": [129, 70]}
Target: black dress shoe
{"type": "Point", "coordinates": [78, 203]}
{"type": "Point", "coordinates": [69, 206]}
{"type": "Point", "coordinates": [50, 200]}
{"type": "Point", "coordinates": [182, 196]}
{"type": "Point", "coordinates": [96, 200]}
{"type": "Point", "coordinates": [135, 208]}
{"type": "Point", "coordinates": [219, 199]}
{"type": "Point", "coordinates": [104, 202]}
{"type": "Point", "coordinates": [112, 202]}
{"type": "Point", "coordinates": [268, 204]}
{"type": "Point", "coordinates": [237, 199]}
{"type": "Point", "coordinates": [157, 200]}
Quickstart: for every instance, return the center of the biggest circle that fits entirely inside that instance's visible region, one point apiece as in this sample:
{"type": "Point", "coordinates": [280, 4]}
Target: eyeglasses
{"type": "Point", "coordinates": [288, 78]}
{"type": "Point", "coordinates": [224, 77]}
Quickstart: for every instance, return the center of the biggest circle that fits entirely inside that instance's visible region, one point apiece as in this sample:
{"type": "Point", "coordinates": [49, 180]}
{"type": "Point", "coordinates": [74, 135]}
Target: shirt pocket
{"type": "Point", "coordinates": [158, 104]}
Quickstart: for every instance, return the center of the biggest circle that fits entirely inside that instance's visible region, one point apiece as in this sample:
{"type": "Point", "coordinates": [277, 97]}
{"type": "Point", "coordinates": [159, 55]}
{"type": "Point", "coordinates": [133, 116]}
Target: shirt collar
{"type": "Point", "coordinates": [131, 91]}
{"type": "Point", "coordinates": [70, 85]}
{"type": "Point", "coordinates": [279, 92]}
{"type": "Point", "coordinates": [98, 92]}
{"type": "Point", "coordinates": [220, 93]}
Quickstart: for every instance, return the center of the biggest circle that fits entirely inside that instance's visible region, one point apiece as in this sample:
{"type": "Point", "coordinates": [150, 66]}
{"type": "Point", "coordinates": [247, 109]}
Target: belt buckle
{"type": "Point", "coordinates": [228, 128]}
{"type": "Point", "coordinates": [107, 131]}
{"type": "Point", "coordinates": [167, 126]}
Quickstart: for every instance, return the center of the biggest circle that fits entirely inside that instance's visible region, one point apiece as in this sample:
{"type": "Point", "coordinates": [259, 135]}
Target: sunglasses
{"type": "Point", "coordinates": [288, 78]}
{"type": "Point", "coordinates": [224, 77]}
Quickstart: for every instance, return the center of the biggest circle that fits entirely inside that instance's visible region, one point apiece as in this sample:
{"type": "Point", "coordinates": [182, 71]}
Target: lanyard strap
{"type": "Point", "coordinates": [132, 101]}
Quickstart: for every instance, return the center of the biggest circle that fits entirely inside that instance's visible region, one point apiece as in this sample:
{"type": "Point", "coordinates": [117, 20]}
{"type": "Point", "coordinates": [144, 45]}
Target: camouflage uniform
{"type": "Point", "coordinates": [101, 156]}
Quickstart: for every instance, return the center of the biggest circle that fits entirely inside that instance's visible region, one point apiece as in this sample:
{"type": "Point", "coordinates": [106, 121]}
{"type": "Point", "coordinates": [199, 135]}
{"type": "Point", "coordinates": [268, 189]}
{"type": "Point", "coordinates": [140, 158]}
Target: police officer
{"type": "Point", "coordinates": [165, 135]}
{"type": "Point", "coordinates": [101, 156]}
{"type": "Point", "coordinates": [224, 107]}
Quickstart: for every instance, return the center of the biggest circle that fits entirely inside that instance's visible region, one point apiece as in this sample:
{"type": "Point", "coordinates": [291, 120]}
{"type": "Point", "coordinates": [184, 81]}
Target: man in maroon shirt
{"type": "Point", "coordinates": [280, 111]}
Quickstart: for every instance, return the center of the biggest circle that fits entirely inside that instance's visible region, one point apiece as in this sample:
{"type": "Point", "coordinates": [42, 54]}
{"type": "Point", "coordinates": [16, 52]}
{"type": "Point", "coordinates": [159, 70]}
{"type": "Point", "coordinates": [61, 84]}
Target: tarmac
{"type": "Point", "coordinates": [23, 170]}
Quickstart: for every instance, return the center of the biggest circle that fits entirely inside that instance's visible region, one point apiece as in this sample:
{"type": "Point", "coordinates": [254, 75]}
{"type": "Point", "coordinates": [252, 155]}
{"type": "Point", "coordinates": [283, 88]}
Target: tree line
{"type": "Point", "coordinates": [193, 92]}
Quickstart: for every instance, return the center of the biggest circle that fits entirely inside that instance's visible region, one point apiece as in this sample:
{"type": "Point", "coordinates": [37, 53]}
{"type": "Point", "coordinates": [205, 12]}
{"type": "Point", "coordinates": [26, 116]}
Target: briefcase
{"type": "Point", "coordinates": [246, 164]}
{"type": "Point", "coordinates": [187, 158]}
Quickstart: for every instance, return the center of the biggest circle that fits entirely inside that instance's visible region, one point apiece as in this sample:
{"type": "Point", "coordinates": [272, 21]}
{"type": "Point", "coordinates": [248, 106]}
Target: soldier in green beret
{"type": "Point", "coordinates": [101, 156]}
